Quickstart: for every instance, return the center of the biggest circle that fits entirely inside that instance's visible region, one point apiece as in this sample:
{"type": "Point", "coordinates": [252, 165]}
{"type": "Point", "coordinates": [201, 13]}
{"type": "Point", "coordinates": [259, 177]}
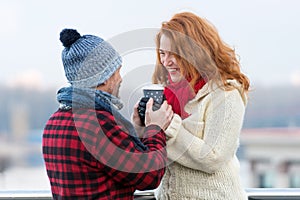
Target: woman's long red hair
{"type": "Point", "coordinates": [199, 52]}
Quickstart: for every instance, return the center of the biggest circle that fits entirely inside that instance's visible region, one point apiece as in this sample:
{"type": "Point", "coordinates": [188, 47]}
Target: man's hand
{"type": "Point", "coordinates": [161, 117]}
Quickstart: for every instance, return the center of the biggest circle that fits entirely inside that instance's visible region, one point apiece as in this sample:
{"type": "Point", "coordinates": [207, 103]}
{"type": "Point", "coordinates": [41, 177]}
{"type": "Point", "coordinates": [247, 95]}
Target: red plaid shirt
{"type": "Point", "coordinates": [89, 156]}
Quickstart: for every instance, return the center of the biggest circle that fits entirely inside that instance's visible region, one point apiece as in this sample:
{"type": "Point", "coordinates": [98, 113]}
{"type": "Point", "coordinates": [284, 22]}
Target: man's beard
{"type": "Point", "coordinates": [116, 91]}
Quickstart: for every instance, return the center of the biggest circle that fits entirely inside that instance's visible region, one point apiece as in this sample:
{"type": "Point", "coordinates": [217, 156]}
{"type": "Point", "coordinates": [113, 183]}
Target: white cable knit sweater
{"type": "Point", "coordinates": [202, 147]}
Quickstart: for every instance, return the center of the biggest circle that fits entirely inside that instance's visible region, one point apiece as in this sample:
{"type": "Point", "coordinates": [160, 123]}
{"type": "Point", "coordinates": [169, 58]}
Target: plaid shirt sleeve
{"type": "Point", "coordinates": [112, 146]}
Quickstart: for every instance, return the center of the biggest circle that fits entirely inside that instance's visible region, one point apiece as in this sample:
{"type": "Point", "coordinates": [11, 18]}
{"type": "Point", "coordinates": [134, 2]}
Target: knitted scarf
{"type": "Point", "coordinates": [178, 94]}
{"type": "Point", "coordinates": [71, 97]}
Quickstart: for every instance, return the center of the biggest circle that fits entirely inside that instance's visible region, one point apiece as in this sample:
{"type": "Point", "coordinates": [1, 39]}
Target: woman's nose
{"type": "Point", "coordinates": [167, 60]}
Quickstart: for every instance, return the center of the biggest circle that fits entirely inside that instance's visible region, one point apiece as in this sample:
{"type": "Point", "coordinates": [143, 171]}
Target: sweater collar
{"type": "Point", "coordinates": [211, 86]}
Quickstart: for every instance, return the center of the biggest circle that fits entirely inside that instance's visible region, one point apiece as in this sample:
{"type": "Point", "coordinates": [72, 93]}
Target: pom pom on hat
{"type": "Point", "coordinates": [88, 60]}
{"type": "Point", "coordinates": [69, 36]}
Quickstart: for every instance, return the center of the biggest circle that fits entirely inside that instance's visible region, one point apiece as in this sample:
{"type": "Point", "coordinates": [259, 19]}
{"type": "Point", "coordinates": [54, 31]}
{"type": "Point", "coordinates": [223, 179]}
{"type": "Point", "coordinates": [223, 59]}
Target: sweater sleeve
{"type": "Point", "coordinates": [117, 151]}
{"type": "Point", "coordinates": [223, 118]}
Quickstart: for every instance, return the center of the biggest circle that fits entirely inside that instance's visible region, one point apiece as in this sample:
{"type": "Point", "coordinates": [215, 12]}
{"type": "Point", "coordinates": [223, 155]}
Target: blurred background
{"type": "Point", "coordinates": [265, 35]}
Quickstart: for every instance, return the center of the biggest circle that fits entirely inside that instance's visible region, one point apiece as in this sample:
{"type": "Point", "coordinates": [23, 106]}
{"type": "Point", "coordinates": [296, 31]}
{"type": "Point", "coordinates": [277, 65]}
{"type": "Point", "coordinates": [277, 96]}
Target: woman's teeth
{"type": "Point", "coordinates": [172, 70]}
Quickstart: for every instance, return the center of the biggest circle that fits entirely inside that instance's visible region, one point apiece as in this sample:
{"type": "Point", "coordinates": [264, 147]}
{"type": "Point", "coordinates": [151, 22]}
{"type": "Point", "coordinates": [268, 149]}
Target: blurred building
{"type": "Point", "coordinates": [272, 156]}
{"type": "Point", "coordinates": [19, 121]}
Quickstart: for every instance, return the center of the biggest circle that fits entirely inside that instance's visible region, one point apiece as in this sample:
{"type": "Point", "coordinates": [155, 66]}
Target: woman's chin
{"type": "Point", "coordinates": [176, 79]}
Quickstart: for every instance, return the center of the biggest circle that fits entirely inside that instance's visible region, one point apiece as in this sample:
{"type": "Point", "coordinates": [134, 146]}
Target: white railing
{"type": "Point", "coordinates": [273, 193]}
{"type": "Point", "coordinates": [253, 194]}
{"type": "Point", "coordinates": [25, 195]}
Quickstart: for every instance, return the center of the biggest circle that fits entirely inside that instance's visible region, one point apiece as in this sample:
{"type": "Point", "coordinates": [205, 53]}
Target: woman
{"type": "Point", "coordinates": [206, 88]}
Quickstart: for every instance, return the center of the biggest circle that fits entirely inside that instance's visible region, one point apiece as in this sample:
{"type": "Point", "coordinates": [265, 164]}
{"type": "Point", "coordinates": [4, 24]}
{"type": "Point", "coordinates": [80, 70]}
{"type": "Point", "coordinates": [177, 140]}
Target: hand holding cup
{"type": "Point", "coordinates": [155, 92]}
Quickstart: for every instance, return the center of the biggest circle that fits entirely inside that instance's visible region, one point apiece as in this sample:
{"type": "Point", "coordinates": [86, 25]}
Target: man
{"type": "Point", "coordinates": [90, 150]}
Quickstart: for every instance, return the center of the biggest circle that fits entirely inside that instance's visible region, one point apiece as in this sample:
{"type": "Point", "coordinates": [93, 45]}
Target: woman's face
{"type": "Point", "coordinates": [168, 60]}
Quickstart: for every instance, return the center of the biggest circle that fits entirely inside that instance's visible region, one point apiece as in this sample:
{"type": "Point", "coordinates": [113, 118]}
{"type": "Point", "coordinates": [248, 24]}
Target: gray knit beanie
{"type": "Point", "coordinates": [88, 60]}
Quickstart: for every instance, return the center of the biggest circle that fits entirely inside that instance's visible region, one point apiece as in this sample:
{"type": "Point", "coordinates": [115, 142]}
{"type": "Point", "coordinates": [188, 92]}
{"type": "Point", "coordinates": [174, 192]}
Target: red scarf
{"type": "Point", "coordinates": [178, 94]}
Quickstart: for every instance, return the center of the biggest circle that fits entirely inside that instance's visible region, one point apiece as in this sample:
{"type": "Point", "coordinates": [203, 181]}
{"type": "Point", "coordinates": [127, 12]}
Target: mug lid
{"type": "Point", "coordinates": [153, 87]}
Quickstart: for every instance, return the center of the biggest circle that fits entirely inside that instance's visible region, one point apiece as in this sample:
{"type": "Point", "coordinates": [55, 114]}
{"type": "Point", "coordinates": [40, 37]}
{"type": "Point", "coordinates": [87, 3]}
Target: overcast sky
{"type": "Point", "coordinates": [265, 34]}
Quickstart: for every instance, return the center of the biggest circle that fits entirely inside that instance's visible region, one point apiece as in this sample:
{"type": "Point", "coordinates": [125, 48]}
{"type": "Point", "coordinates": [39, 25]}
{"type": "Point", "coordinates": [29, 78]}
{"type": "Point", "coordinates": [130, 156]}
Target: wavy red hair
{"type": "Point", "coordinates": [199, 52]}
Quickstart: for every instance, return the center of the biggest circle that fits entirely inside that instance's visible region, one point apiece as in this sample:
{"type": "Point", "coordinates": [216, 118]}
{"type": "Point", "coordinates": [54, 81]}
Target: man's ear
{"type": "Point", "coordinates": [102, 85]}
